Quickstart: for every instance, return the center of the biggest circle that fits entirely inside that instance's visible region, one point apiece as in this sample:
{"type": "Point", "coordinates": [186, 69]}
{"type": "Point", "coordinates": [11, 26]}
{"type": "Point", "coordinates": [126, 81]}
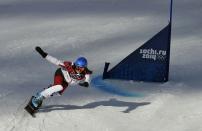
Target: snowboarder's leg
{"type": "Point", "coordinates": [39, 97]}
{"type": "Point", "coordinates": [60, 80]}
{"type": "Point", "coordinates": [64, 85]}
{"type": "Point", "coordinates": [51, 90]}
{"type": "Point", "coordinates": [58, 87]}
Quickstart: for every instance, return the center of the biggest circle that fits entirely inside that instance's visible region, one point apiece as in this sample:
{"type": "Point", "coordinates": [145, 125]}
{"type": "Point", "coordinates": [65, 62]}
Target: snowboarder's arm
{"type": "Point", "coordinates": [54, 60]}
{"type": "Point", "coordinates": [86, 82]}
{"type": "Point", "coordinates": [49, 58]}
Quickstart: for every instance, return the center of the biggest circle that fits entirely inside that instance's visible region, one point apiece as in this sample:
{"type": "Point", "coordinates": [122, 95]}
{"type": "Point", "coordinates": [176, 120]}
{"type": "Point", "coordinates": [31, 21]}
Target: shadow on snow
{"type": "Point", "coordinates": [111, 102]}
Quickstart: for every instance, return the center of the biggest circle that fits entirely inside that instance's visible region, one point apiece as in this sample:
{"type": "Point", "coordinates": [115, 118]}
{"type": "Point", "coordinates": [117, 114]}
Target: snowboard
{"type": "Point", "coordinates": [30, 108]}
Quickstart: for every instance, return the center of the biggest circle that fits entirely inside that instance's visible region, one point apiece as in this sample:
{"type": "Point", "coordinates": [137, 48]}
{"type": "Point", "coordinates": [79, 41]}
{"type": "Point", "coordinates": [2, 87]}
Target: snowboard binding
{"type": "Point", "coordinates": [34, 104]}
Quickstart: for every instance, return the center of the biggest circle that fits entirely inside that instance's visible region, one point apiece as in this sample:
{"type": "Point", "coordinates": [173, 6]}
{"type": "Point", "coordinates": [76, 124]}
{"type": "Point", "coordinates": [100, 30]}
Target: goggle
{"type": "Point", "coordinates": [79, 69]}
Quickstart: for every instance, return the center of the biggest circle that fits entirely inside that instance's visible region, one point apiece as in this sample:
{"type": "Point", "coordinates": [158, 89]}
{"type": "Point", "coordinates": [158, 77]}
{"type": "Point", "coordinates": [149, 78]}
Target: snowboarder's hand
{"type": "Point", "coordinates": [41, 52]}
{"type": "Point", "coordinates": [84, 84]}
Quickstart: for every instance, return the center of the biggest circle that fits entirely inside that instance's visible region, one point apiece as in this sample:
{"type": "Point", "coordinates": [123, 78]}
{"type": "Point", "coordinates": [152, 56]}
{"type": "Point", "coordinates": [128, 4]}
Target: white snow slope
{"type": "Point", "coordinates": [101, 30]}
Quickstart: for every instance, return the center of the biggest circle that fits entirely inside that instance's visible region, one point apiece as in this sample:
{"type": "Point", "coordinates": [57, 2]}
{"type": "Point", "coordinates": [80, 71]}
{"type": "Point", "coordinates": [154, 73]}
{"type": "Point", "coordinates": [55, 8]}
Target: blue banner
{"type": "Point", "coordinates": [150, 62]}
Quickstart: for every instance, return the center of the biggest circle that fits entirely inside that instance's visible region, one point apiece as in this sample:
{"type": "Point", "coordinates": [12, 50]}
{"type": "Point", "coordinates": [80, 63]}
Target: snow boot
{"type": "Point", "coordinates": [37, 100]}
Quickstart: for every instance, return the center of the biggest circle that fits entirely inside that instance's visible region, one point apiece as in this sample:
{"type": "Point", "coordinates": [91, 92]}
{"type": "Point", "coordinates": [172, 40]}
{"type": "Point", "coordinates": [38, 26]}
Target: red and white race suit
{"type": "Point", "coordinates": [64, 77]}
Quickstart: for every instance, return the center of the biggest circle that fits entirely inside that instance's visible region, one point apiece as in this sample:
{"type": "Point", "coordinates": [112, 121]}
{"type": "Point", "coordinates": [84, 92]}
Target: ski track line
{"type": "Point", "coordinates": [44, 116]}
{"type": "Point", "coordinates": [42, 126]}
{"type": "Point", "coordinates": [2, 96]}
{"type": "Point", "coordinates": [19, 116]}
{"type": "Point", "coordinates": [14, 114]}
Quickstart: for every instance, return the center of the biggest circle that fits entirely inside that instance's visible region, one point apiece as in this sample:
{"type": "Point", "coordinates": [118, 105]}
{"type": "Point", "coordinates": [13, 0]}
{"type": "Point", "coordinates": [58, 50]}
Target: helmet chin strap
{"type": "Point", "coordinates": [78, 72]}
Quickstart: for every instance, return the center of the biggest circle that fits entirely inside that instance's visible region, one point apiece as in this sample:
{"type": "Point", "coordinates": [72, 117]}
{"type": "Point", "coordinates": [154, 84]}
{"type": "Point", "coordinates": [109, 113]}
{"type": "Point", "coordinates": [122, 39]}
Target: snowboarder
{"type": "Point", "coordinates": [69, 73]}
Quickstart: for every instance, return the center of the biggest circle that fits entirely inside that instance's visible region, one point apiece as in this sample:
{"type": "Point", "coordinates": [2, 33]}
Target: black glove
{"type": "Point", "coordinates": [41, 52]}
{"type": "Point", "coordinates": [85, 84]}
